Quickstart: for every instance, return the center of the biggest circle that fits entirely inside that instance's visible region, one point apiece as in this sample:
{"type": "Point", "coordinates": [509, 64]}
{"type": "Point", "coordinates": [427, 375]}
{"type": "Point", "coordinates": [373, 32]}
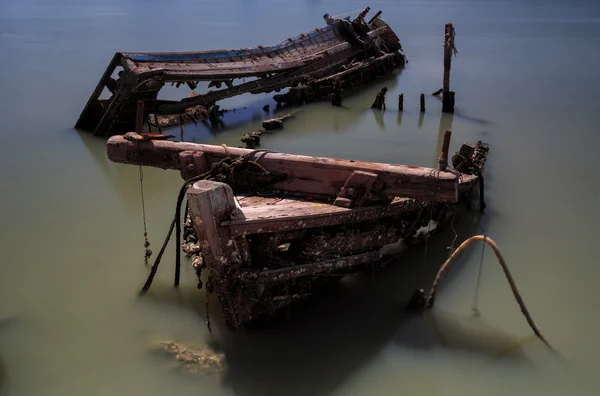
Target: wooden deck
{"type": "Point", "coordinates": [272, 214]}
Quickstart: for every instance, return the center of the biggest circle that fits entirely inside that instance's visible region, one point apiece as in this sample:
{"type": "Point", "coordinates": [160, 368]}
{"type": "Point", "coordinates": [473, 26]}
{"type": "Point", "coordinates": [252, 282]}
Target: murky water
{"type": "Point", "coordinates": [71, 249]}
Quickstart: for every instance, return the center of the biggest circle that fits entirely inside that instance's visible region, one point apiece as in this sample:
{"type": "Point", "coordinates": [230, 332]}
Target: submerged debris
{"type": "Point", "coordinates": [252, 139]}
{"type": "Point", "coordinates": [193, 359]}
{"type": "Point", "coordinates": [193, 114]}
{"type": "Point", "coordinates": [379, 102]}
{"type": "Point", "coordinates": [275, 123]}
{"type": "Point", "coordinates": [470, 158]}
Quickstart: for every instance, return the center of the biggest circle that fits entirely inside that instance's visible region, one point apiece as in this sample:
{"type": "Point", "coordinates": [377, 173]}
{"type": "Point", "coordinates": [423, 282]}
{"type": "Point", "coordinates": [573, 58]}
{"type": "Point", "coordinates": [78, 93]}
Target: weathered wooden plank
{"type": "Point", "coordinates": [98, 90]}
{"type": "Point", "coordinates": [121, 97]}
{"type": "Point", "coordinates": [281, 80]}
{"type": "Point", "coordinates": [304, 174]}
{"type": "Point", "coordinates": [210, 203]}
{"type": "Point", "coordinates": [288, 216]}
{"type": "Point", "coordinates": [337, 266]}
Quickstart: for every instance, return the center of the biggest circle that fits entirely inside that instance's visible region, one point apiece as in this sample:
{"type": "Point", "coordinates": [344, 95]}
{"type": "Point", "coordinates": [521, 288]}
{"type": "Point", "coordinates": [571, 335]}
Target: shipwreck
{"type": "Point", "coordinates": [344, 53]}
{"type": "Point", "coordinates": [273, 228]}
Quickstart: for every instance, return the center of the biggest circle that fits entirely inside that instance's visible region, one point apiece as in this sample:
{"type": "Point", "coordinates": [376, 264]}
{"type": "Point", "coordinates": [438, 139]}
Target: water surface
{"type": "Point", "coordinates": [71, 249]}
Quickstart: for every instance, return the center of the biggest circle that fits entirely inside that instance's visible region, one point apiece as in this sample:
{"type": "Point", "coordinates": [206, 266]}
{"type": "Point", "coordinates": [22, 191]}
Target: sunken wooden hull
{"type": "Point", "coordinates": [352, 51]}
{"type": "Point", "coordinates": [297, 223]}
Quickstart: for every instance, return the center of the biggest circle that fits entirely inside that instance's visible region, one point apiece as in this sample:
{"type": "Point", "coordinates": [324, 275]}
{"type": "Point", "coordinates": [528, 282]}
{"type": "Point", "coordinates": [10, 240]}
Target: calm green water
{"type": "Point", "coordinates": [71, 248]}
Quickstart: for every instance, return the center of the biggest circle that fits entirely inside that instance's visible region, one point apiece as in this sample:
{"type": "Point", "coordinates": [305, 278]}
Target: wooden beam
{"type": "Point", "coordinates": [211, 203]}
{"type": "Point", "coordinates": [98, 90]}
{"type": "Point", "coordinates": [279, 81]}
{"type": "Point", "coordinates": [337, 266]}
{"type": "Point", "coordinates": [295, 218]}
{"type": "Point", "coordinates": [303, 174]}
{"type": "Point", "coordinates": [120, 98]}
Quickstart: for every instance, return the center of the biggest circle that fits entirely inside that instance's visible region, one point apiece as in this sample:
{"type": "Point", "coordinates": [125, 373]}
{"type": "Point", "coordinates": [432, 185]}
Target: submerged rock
{"type": "Point", "coordinates": [193, 359]}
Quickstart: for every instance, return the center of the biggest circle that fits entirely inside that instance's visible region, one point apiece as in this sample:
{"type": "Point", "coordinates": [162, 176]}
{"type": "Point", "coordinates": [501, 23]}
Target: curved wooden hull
{"type": "Point", "coordinates": [309, 56]}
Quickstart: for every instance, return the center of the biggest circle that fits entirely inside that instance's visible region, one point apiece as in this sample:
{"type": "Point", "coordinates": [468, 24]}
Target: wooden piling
{"type": "Point", "coordinates": [307, 175]}
{"type": "Point", "coordinates": [139, 117]}
{"type": "Point", "coordinates": [449, 49]}
{"type": "Point", "coordinates": [443, 160]}
{"type": "Point", "coordinates": [379, 102]}
{"type": "Point", "coordinates": [422, 103]}
{"type": "Point", "coordinates": [401, 102]}
{"type": "Point", "coordinates": [377, 15]}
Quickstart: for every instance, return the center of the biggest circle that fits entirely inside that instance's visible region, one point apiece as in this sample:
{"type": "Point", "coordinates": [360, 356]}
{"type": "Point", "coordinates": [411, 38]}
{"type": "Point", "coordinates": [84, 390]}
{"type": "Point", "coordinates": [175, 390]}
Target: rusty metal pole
{"type": "Point", "coordinates": [139, 117]}
{"type": "Point", "coordinates": [449, 49]}
{"type": "Point", "coordinates": [443, 160]}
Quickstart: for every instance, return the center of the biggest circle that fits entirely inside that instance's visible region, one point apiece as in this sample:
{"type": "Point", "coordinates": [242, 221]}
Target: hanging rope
{"type": "Point", "coordinates": [175, 223]}
{"type": "Point", "coordinates": [223, 171]}
{"type": "Point", "coordinates": [431, 296]}
{"type": "Point", "coordinates": [209, 291]}
{"type": "Point", "coordinates": [147, 252]}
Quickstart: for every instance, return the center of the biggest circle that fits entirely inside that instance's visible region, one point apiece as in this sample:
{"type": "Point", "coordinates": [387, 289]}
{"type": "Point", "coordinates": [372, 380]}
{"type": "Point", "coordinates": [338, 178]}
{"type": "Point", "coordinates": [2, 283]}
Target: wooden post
{"type": "Point", "coordinates": [139, 117]}
{"type": "Point", "coordinates": [379, 102]}
{"type": "Point", "coordinates": [443, 160]}
{"type": "Point", "coordinates": [449, 49]}
{"type": "Point", "coordinates": [210, 204]}
{"type": "Point", "coordinates": [363, 13]}
{"type": "Point", "coordinates": [401, 102]}
{"type": "Point", "coordinates": [377, 15]}
{"type": "Point", "coordinates": [422, 103]}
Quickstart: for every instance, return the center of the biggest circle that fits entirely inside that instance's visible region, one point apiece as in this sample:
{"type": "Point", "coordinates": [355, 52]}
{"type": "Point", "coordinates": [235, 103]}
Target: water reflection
{"type": "Point", "coordinates": [437, 328]}
{"type": "Point", "coordinates": [3, 376]}
{"type": "Point", "coordinates": [335, 332]}
{"type": "Point", "coordinates": [476, 120]}
{"type": "Point", "coordinates": [7, 324]}
{"type": "Point", "coordinates": [379, 118]}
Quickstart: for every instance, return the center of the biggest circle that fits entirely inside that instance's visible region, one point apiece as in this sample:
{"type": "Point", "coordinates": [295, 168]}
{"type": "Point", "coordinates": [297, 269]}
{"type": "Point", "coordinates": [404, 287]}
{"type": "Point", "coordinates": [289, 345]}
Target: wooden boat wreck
{"type": "Point", "coordinates": [347, 51]}
{"type": "Point", "coordinates": [272, 228]}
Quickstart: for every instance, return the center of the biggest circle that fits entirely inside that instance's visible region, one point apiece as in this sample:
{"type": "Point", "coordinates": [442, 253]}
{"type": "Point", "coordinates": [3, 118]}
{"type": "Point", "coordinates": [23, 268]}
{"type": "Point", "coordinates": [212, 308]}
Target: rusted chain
{"type": "Point", "coordinates": [431, 297]}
